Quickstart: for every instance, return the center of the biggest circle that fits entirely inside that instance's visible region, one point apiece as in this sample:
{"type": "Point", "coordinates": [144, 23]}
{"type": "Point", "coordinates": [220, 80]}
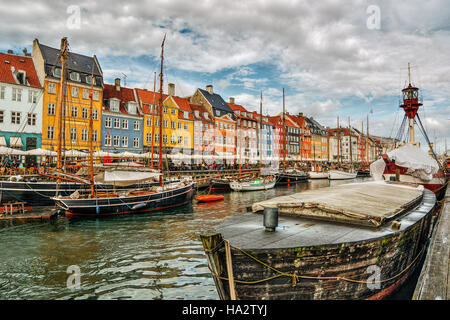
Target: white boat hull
{"type": "Point", "coordinates": [318, 175]}
{"type": "Point", "coordinates": [251, 186]}
{"type": "Point", "coordinates": [341, 175]}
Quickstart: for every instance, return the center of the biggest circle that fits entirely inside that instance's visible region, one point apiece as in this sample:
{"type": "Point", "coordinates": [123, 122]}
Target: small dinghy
{"type": "Point", "coordinates": [209, 198]}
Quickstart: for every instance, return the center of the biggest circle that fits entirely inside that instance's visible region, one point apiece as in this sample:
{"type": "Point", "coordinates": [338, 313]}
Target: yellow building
{"type": "Point", "coordinates": [76, 103]}
{"type": "Point", "coordinates": [177, 125]}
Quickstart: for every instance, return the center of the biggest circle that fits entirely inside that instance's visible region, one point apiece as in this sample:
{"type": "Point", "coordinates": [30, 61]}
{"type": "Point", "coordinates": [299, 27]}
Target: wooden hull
{"type": "Point", "coordinates": [289, 178]}
{"type": "Point", "coordinates": [125, 205]}
{"type": "Point", "coordinates": [341, 175]}
{"type": "Point", "coordinates": [342, 270]}
{"type": "Point", "coordinates": [220, 184]}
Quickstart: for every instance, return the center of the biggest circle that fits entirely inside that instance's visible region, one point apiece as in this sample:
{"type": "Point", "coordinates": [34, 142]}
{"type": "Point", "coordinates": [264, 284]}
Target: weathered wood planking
{"type": "Point", "coordinates": [352, 202]}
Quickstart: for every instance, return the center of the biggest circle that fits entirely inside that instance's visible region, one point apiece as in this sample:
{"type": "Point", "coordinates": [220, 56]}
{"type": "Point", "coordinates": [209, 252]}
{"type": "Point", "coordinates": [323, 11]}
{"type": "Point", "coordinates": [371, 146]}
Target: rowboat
{"type": "Point", "coordinates": [341, 175]}
{"type": "Point", "coordinates": [358, 241]}
{"type": "Point", "coordinates": [209, 198]}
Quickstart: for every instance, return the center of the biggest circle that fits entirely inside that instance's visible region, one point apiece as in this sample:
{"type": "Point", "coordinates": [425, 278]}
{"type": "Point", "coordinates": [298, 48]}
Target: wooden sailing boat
{"type": "Point", "coordinates": [290, 175]}
{"type": "Point", "coordinates": [340, 174]}
{"type": "Point", "coordinates": [97, 203]}
{"type": "Point", "coordinates": [259, 183]}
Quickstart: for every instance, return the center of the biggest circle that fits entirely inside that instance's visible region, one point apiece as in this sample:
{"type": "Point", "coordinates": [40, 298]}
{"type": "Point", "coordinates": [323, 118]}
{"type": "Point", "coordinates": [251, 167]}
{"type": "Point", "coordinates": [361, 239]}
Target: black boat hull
{"type": "Point", "coordinates": [40, 193]}
{"type": "Point", "coordinates": [286, 178]}
{"type": "Point", "coordinates": [219, 184]}
{"type": "Point", "coordinates": [126, 205]}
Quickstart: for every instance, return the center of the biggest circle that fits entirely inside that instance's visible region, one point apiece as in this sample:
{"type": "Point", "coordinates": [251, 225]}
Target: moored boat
{"type": "Point", "coordinates": [318, 175]}
{"type": "Point", "coordinates": [262, 183]}
{"type": "Point", "coordinates": [358, 241]}
{"type": "Point", "coordinates": [340, 175]}
{"type": "Point", "coordinates": [289, 177]}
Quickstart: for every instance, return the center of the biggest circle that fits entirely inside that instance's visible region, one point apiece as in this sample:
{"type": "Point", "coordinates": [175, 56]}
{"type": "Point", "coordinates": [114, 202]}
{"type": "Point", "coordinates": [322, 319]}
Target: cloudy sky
{"type": "Point", "coordinates": [334, 58]}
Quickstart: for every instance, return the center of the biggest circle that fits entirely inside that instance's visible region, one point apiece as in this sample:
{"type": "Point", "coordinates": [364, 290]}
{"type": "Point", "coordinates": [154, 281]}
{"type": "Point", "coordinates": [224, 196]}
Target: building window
{"type": "Point", "coordinates": [116, 141]}
{"type": "Point", "coordinates": [180, 139]}
{"type": "Point", "coordinates": [108, 122]}
{"type": "Point", "coordinates": [31, 119]}
{"type": "Point", "coordinates": [16, 94]}
{"type": "Point", "coordinates": [52, 87]}
{"type": "Point", "coordinates": [32, 96]}
{"type": "Point", "coordinates": [74, 112]}
{"type": "Point", "coordinates": [95, 95]}
{"type": "Point", "coordinates": [124, 141]}
{"type": "Point", "coordinates": [172, 139]}
{"type": "Point", "coordinates": [84, 113]}
{"type": "Point", "coordinates": [125, 124]}
{"type": "Point", "coordinates": [114, 105]}
{"type": "Point", "coordinates": [164, 138]}
{"type": "Point", "coordinates": [75, 76]}
{"type": "Point", "coordinates": [75, 92]}
{"type": "Point", "coordinates": [186, 141]}
{"type": "Point", "coordinates": [51, 109]}
{"type": "Point", "coordinates": [136, 125]}
{"type": "Point", "coordinates": [180, 125]}
{"type": "Point", "coordinates": [50, 132]}
{"type": "Point", "coordinates": [172, 124]}
{"type": "Point", "coordinates": [15, 117]}
{"type": "Point", "coordinates": [2, 92]}
{"type": "Point", "coordinates": [157, 138]}
{"type": "Point", "coordinates": [94, 114]}
{"type": "Point", "coordinates": [116, 123]}
{"type": "Point", "coordinates": [94, 135]}
{"type": "Point", "coordinates": [172, 111]}
{"type": "Point", "coordinates": [186, 114]}
{"type": "Point", "coordinates": [149, 137]}
{"type": "Point", "coordinates": [73, 134]}
{"type": "Point", "coordinates": [165, 123]}
{"type": "Point", "coordinates": [185, 126]}
{"type": "Point", "coordinates": [108, 140]}
{"type": "Point", "coordinates": [84, 134]}
{"type": "Point", "coordinates": [165, 110]}
{"type": "Point", "coordinates": [85, 94]}
{"type": "Point", "coordinates": [149, 122]}
{"type": "Point", "coordinates": [136, 142]}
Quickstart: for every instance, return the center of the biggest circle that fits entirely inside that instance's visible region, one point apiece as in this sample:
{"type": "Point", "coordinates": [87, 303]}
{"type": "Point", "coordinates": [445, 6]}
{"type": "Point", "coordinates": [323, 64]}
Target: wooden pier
{"type": "Point", "coordinates": [434, 280]}
{"type": "Point", "coordinates": [20, 215]}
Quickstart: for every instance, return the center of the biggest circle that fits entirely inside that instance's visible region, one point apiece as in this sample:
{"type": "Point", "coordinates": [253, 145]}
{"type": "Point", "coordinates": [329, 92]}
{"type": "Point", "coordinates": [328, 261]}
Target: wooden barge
{"type": "Point", "coordinates": [353, 241]}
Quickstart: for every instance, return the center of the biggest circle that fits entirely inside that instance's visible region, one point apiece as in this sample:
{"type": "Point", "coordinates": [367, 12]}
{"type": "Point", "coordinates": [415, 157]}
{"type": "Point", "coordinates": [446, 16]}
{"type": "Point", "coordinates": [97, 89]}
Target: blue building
{"type": "Point", "coordinates": [122, 124]}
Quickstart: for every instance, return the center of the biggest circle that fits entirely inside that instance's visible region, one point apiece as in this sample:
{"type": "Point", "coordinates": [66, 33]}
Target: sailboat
{"type": "Point", "coordinates": [340, 174]}
{"type": "Point", "coordinates": [409, 163]}
{"type": "Point", "coordinates": [97, 203]}
{"type": "Point", "coordinates": [264, 182]}
{"type": "Point", "coordinates": [288, 176]}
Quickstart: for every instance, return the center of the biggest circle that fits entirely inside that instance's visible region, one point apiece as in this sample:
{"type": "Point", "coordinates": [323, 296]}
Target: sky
{"type": "Point", "coordinates": [346, 59]}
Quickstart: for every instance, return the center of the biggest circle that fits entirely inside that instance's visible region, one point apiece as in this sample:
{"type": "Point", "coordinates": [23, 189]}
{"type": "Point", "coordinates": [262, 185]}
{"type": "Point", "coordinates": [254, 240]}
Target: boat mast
{"type": "Point", "coordinates": [153, 119]}
{"type": "Point", "coordinates": [350, 138]}
{"type": "Point", "coordinates": [161, 111]}
{"type": "Point", "coordinates": [367, 140]}
{"type": "Point", "coordinates": [91, 133]}
{"type": "Point", "coordinates": [339, 143]}
{"type": "Point", "coordinates": [284, 136]}
{"type": "Point", "coordinates": [63, 55]}
{"type": "Point", "coordinates": [260, 131]}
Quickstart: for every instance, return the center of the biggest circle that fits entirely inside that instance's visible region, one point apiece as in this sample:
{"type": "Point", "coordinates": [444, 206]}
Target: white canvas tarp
{"type": "Point", "coordinates": [419, 163]}
{"type": "Point", "coordinates": [124, 178]}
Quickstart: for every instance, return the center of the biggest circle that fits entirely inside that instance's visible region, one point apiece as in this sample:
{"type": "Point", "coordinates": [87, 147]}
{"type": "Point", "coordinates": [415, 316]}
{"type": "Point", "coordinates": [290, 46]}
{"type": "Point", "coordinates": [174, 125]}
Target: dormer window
{"type": "Point", "coordinates": [57, 72]}
{"type": "Point", "coordinates": [89, 80]}
{"type": "Point", "coordinates": [75, 76]}
{"type": "Point", "coordinates": [205, 114]}
{"type": "Point", "coordinates": [238, 112]}
{"type": "Point", "coordinates": [217, 113]}
{"type": "Point", "coordinates": [197, 114]}
{"type": "Point", "coordinates": [114, 105]}
{"type": "Point", "coordinates": [21, 77]}
{"type": "Point", "coordinates": [186, 114]}
{"type": "Point", "coordinates": [131, 107]}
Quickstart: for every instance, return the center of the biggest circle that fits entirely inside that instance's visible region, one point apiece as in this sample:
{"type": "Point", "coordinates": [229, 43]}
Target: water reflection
{"type": "Point", "coordinates": [128, 257]}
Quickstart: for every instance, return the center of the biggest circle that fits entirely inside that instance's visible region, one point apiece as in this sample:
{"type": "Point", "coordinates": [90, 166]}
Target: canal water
{"type": "Point", "coordinates": [128, 257]}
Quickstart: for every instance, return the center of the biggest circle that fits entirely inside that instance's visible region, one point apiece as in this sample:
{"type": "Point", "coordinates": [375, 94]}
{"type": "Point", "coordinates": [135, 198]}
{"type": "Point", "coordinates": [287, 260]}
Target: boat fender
{"type": "Point", "coordinates": [396, 225]}
{"type": "Point", "coordinates": [138, 206]}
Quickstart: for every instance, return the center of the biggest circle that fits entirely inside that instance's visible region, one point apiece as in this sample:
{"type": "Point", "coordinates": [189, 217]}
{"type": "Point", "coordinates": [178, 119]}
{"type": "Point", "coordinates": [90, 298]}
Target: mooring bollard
{"type": "Point", "coordinates": [270, 218]}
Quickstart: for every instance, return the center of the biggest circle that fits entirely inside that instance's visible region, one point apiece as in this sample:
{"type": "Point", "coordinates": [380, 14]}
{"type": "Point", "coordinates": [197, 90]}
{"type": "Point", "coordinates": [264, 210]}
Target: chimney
{"type": "Point", "coordinates": [117, 83]}
{"type": "Point", "coordinates": [300, 114]}
{"type": "Point", "coordinates": [209, 88]}
{"type": "Point", "coordinates": [231, 100]}
{"type": "Point", "coordinates": [171, 89]}
{"type": "Point", "coordinates": [10, 51]}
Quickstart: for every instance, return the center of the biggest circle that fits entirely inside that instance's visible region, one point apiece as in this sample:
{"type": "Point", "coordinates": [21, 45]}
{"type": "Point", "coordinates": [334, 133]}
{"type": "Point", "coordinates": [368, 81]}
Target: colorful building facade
{"type": "Point", "coordinates": [21, 96]}
{"type": "Point", "coordinates": [76, 102]}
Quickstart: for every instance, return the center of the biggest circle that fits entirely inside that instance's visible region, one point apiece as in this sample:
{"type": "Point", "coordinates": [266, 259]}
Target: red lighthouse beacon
{"type": "Point", "coordinates": [409, 163]}
{"type": "Point", "coordinates": [411, 104]}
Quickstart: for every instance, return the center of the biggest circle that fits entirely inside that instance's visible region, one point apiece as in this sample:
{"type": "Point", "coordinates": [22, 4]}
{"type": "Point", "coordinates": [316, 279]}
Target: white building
{"type": "Point", "coordinates": [21, 96]}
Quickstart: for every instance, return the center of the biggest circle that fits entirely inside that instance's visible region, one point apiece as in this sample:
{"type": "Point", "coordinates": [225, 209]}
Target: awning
{"type": "Point", "coordinates": [2, 141]}
{"type": "Point", "coordinates": [15, 142]}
